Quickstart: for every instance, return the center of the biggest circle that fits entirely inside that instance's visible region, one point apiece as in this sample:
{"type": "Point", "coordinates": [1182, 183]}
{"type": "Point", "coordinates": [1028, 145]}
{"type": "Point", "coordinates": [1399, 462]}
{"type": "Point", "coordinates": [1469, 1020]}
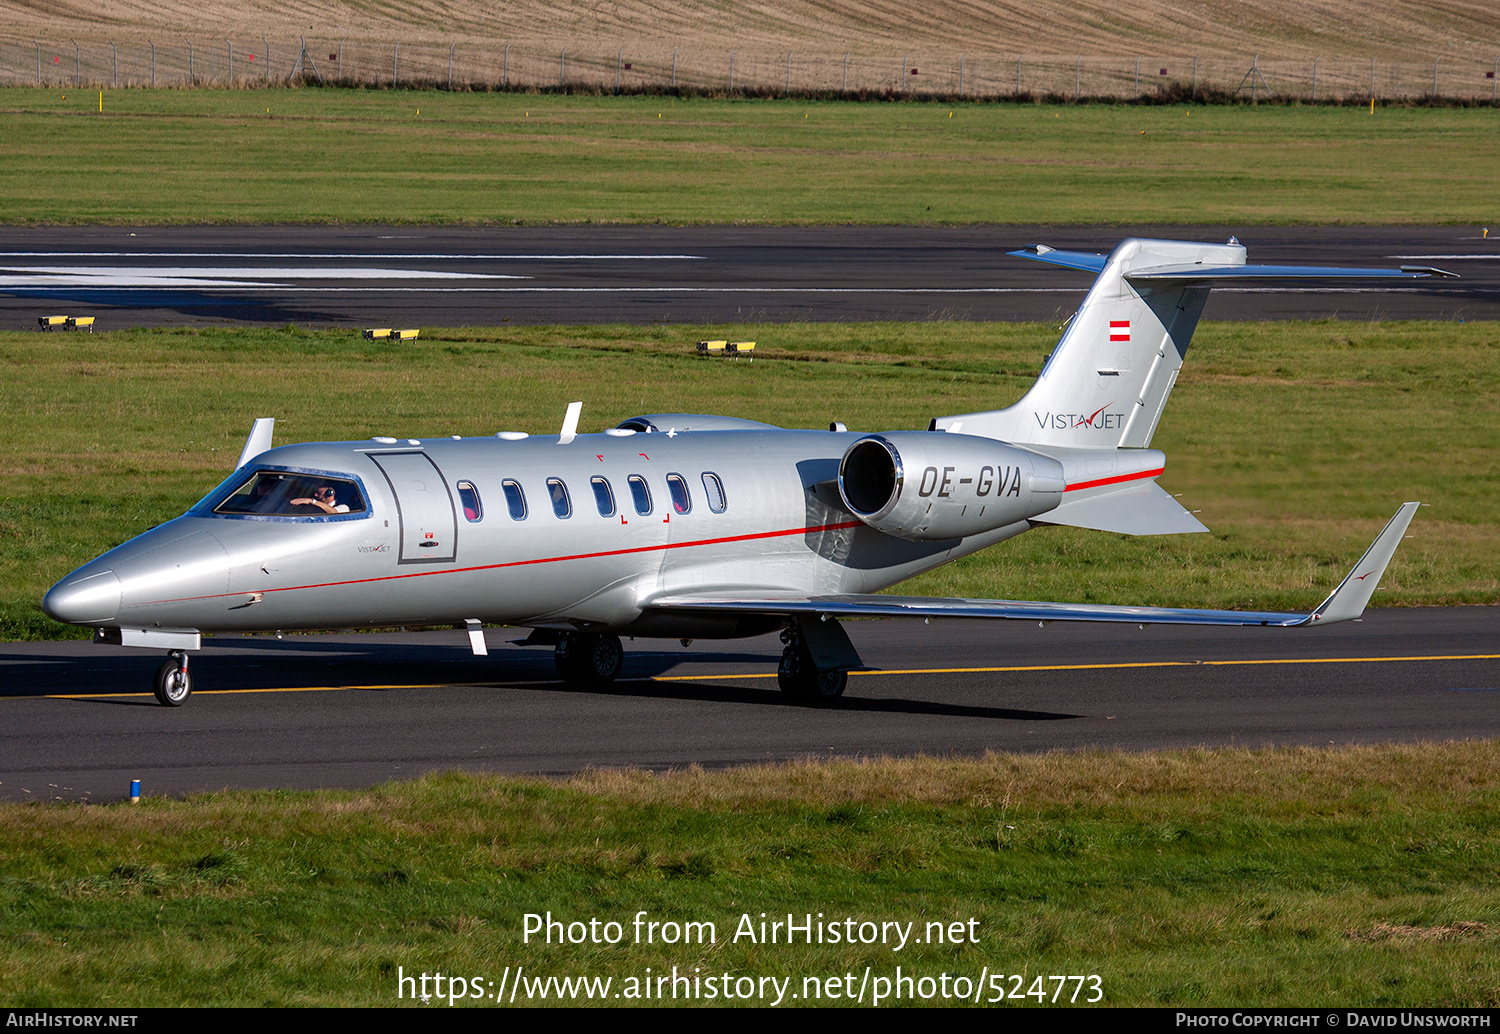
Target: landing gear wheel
{"type": "Point", "coordinates": [829, 686]}
{"type": "Point", "coordinates": [586, 657]}
{"type": "Point", "coordinates": [800, 678]}
{"type": "Point", "coordinates": [796, 672]}
{"type": "Point", "coordinates": [173, 683]}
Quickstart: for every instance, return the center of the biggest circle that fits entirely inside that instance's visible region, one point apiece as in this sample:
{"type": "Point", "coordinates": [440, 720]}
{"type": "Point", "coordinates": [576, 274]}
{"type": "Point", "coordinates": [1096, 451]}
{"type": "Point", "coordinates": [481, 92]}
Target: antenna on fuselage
{"type": "Point", "coordinates": [570, 423]}
{"type": "Point", "coordinates": [259, 440]}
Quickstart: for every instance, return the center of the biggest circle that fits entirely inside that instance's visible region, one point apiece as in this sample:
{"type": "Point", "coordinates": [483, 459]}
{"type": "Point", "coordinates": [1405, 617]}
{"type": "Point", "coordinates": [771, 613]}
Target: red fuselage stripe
{"type": "Point", "coordinates": [1115, 480]}
{"type": "Point", "coordinates": [537, 560]}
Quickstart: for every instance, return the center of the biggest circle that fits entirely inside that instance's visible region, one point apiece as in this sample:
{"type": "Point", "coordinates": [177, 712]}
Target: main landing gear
{"type": "Point", "coordinates": [588, 657]}
{"type": "Point", "coordinates": [799, 676]}
{"type": "Point", "coordinates": [174, 683]}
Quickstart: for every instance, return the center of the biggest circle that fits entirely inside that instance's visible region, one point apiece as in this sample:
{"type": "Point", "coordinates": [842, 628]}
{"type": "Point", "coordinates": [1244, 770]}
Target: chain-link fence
{"type": "Point", "coordinates": [485, 65]}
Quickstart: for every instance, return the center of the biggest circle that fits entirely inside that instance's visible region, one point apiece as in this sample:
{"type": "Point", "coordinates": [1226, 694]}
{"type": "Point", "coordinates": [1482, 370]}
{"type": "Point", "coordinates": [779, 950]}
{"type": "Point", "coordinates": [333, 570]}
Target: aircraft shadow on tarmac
{"type": "Point", "coordinates": [190, 305]}
{"type": "Point", "coordinates": [773, 697]}
{"type": "Point", "coordinates": [117, 680]}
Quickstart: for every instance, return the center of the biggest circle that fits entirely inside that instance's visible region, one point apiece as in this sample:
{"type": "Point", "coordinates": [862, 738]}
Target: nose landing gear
{"type": "Point", "coordinates": [174, 683]}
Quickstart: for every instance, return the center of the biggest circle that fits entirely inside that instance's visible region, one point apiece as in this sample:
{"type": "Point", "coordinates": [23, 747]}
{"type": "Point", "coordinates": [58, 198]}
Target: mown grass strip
{"type": "Point", "coordinates": [1295, 440]}
{"type": "Point", "coordinates": [396, 156]}
{"type": "Point", "coordinates": [1350, 876]}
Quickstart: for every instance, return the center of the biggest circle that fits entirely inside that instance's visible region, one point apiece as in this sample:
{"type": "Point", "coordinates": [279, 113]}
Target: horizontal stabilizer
{"type": "Point", "coordinates": [1144, 508]}
{"type": "Point", "coordinates": [1200, 270]}
{"type": "Point", "coordinates": [1072, 259]}
{"type": "Point", "coordinates": [1205, 272]}
{"type": "Point", "coordinates": [1345, 603]}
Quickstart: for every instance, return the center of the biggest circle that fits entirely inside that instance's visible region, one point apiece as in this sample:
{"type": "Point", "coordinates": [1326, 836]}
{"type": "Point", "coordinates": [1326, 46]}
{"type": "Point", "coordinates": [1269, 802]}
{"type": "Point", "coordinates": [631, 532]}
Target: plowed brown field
{"type": "Point", "coordinates": [1397, 31]}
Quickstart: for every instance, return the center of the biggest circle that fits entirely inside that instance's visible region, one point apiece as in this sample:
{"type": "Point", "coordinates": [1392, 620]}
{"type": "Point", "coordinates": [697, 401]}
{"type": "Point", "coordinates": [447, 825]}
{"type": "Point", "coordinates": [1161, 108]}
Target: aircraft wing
{"type": "Point", "coordinates": [1343, 604]}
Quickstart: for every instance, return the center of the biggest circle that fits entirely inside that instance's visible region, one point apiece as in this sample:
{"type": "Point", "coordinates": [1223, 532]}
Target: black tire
{"type": "Point", "coordinates": [173, 684]}
{"type": "Point", "coordinates": [585, 657]}
{"type": "Point", "coordinates": [792, 675]}
{"type": "Point", "coordinates": [800, 678]}
{"type": "Point", "coordinates": [829, 686]}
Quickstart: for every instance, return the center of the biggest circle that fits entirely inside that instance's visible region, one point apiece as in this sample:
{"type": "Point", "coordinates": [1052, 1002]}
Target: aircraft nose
{"type": "Point", "coordinates": [86, 600]}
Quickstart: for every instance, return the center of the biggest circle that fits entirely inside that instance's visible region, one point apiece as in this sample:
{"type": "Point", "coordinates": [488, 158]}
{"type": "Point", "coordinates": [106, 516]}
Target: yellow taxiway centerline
{"type": "Point", "coordinates": [892, 671]}
{"type": "Point", "coordinates": [1125, 664]}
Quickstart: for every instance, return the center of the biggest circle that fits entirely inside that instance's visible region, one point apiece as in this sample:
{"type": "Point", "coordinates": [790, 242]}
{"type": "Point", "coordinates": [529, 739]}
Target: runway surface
{"type": "Point", "coordinates": [77, 720]}
{"type": "Point", "coordinates": [447, 276]}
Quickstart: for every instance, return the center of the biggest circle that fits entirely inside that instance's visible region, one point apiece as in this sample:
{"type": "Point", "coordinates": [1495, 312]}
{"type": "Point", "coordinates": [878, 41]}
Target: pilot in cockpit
{"type": "Point", "coordinates": [324, 498]}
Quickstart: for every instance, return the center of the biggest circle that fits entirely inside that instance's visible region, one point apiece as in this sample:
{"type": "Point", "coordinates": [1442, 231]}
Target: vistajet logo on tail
{"type": "Point", "coordinates": [1098, 420]}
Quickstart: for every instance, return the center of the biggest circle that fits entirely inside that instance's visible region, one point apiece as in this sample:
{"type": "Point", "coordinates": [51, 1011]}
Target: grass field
{"type": "Point", "coordinates": [1295, 440]}
{"type": "Point", "coordinates": [1357, 876]}
{"type": "Point", "coordinates": [332, 155]}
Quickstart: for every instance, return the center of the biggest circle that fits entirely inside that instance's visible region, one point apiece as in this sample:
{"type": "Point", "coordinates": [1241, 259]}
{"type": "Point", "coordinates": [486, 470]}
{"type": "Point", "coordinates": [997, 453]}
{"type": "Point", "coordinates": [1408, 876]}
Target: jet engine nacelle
{"type": "Point", "coordinates": [932, 485]}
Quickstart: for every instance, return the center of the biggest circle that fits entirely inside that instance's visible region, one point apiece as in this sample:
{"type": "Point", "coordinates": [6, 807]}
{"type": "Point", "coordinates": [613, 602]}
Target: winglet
{"type": "Point", "coordinates": [259, 440]}
{"type": "Point", "coordinates": [1349, 599]}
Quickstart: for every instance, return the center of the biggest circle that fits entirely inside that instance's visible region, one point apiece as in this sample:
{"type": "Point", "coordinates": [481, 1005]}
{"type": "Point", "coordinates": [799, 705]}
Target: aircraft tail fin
{"type": "Point", "coordinates": [1107, 382]}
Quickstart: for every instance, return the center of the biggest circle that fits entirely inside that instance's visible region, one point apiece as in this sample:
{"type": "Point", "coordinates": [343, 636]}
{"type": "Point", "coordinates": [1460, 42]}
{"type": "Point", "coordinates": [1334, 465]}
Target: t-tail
{"type": "Point", "coordinates": [1101, 393]}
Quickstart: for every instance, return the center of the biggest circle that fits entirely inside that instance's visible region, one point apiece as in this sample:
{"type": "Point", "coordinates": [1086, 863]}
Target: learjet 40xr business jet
{"type": "Point", "coordinates": [687, 526]}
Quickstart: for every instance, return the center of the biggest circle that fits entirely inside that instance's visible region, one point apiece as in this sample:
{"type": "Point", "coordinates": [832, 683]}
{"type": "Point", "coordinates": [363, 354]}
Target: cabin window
{"type": "Point", "coordinates": [604, 496]}
{"type": "Point", "coordinates": [641, 493]}
{"type": "Point", "coordinates": [681, 501]}
{"type": "Point", "coordinates": [284, 494]}
{"type": "Point", "coordinates": [713, 488]}
{"type": "Point", "coordinates": [468, 495]}
{"type": "Point", "coordinates": [561, 504]}
{"type": "Point", "coordinates": [515, 499]}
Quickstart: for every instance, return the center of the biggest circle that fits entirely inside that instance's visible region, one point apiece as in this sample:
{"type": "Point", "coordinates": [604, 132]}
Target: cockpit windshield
{"type": "Point", "coordinates": [284, 494]}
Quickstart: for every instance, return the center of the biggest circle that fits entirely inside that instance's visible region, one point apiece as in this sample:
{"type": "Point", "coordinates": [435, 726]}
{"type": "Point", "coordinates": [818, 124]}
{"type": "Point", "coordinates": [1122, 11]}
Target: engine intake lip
{"type": "Point", "coordinates": [870, 477]}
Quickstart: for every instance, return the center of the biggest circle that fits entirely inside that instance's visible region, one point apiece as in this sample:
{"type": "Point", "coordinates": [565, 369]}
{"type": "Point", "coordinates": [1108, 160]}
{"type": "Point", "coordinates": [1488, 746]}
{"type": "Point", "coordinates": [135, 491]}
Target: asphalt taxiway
{"type": "Point", "coordinates": [77, 721]}
{"type": "Point", "coordinates": [486, 276]}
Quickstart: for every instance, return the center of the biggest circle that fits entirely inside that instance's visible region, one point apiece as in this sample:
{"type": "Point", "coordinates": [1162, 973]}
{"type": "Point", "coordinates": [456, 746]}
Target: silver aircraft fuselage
{"type": "Point", "coordinates": [690, 526]}
{"type": "Point", "coordinates": [418, 554]}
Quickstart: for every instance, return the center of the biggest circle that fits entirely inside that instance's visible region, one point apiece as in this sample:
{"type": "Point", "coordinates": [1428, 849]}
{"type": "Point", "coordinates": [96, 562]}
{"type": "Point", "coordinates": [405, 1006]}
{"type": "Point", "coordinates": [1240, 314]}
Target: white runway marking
{"type": "Point", "coordinates": [321, 256]}
{"type": "Point", "coordinates": [211, 276]}
{"type": "Point", "coordinates": [228, 285]}
{"type": "Point", "coordinates": [643, 290]}
{"type": "Point", "coordinates": [1491, 256]}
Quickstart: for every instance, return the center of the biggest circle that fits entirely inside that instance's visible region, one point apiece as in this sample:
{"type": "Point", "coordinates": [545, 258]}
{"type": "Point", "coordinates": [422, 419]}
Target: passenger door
{"type": "Point", "coordinates": [424, 507]}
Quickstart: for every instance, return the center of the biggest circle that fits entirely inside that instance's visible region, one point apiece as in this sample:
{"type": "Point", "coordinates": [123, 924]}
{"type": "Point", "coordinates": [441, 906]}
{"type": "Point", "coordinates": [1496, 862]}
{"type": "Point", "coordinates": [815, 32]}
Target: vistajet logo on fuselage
{"type": "Point", "coordinates": [1099, 420]}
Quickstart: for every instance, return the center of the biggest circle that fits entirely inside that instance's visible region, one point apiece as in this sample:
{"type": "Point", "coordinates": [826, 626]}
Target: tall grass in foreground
{"type": "Point", "coordinates": [1351, 876]}
{"type": "Point", "coordinates": [1296, 441]}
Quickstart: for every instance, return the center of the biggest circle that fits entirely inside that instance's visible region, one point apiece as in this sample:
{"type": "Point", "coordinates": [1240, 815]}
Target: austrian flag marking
{"type": "Point", "coordinates": [1119, 330]}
